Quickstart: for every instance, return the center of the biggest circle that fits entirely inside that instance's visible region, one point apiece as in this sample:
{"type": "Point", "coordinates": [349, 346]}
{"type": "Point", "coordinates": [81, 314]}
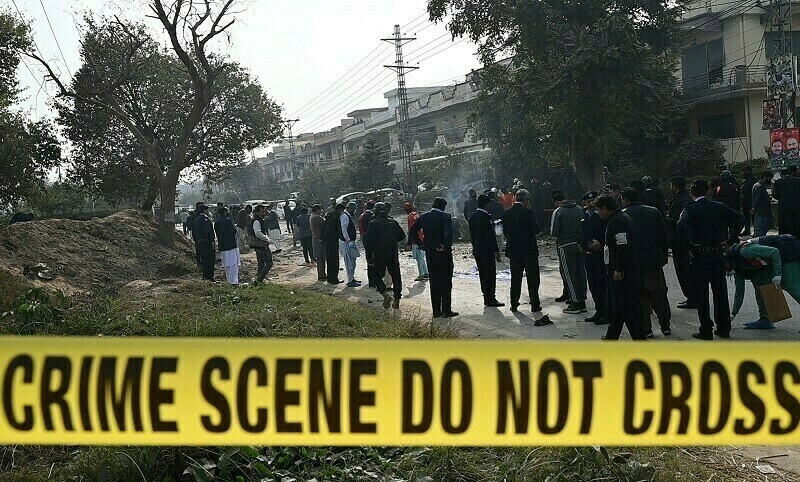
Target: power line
{"type": "Point", "coordinates": [312, 101]}
{"type": "Point", "coordinates": [330, 112]}
{"type": "Point", "coordinates": [440, 51]}
{"type": "Point", "coordinates": [63, 57]}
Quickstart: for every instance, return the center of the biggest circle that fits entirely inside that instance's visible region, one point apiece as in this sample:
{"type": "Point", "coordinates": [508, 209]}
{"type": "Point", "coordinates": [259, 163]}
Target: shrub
{"type": "Point", "coordinates": [696, 155]}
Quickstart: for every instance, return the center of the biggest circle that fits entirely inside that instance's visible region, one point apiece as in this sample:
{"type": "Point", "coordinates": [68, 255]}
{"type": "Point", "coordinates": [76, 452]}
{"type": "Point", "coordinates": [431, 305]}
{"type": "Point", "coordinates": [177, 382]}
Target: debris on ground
{"type": "Point", "coordinates": [100, 253]}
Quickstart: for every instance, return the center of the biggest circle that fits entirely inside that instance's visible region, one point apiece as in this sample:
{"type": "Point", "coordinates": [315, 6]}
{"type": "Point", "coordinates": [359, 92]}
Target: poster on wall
{"type": "Point", "coordinates": [781, 75]}
{"type": "Point", "coordinates": [772, 114]}
{"type": "Point", "coordinates": [784, 147]}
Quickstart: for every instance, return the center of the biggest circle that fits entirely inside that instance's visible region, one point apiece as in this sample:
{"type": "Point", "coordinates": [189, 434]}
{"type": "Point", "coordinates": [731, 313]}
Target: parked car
{"type": "Point", "coordinates": [388, 193]}
{"type": "Point", "coordinates": [352, 195]}
{"type": "Point", "coordinates": [279, 207]}
{"type": "Point", "coordinates": [480, 185]}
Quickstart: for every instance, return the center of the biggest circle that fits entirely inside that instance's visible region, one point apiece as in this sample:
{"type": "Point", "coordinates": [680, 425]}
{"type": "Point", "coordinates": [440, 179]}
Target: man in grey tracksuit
{"type": "Point", "coordinates": [566, 227]}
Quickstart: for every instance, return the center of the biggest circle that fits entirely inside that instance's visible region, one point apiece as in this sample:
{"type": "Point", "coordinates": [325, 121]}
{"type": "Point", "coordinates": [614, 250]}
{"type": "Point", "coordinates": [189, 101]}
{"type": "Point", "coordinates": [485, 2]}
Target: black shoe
{"type": "Point", "coordinates": [562, 299]}
{"type": "Point", "coordinates": [536, 308]}
{"type": "Point", "coordinates": [338, 281]}
{"type": "Point", "coordinates": [575, 308]}
{"type": "Point", "coordinates": [649, 335]}
{"type": "Point", "coordinates": [277, 251]}
{"type": "Point", "coordinates": [687, 305]}
{"type": "Point", "coordinates": [452, 314]}
{"type": "Point", "coordinates": [593, 318]}
{"type": "Point", "coordinates": [437, 315]}
{"type": "Point", "coordinates": [722, 335]}
{"type": "Point", "coordinates": [666, 332]}
{"type": "Point", "coordinates": [602, 321]}
{"type": "Point", "coordinates": [514, 308]}
{"type": "Point", "coordinates": [701, 336]}
{"type": "Point", "coordinates": [322, 278]}
{"type": "Point", "coordinates": [494, 304]}
{"type": "Point", "coordinates": [607, 338]}
{"type": "Point", "coordinates": [543, 321]}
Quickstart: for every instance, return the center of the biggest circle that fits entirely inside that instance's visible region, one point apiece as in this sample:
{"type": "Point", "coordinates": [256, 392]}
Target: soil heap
{"type": "Point", "coordinates": [100, 253]}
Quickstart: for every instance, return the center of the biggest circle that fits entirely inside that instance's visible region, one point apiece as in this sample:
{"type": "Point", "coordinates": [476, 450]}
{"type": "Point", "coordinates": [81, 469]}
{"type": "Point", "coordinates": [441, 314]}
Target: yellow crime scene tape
{"type": "Point", "coordinates": [170, 391]}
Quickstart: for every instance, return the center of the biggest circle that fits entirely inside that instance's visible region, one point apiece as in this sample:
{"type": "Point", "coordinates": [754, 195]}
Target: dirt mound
{"type": "Point", "coordinates": [82, 255]}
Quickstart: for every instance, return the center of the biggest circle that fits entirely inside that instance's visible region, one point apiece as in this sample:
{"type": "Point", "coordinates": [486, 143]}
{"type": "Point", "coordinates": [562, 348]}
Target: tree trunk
{"type": "Point", "coordinates": [588, 169]}
{"type": "Point", "coordinates": [150, 197]}
{"type": "Point", "coordinates": [166, 223]}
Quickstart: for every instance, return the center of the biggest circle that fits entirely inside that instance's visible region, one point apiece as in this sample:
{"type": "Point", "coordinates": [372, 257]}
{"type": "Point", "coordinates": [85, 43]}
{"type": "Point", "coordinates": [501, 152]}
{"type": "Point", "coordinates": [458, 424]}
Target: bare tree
{"type": "Point", "coordinates": [191, 26]}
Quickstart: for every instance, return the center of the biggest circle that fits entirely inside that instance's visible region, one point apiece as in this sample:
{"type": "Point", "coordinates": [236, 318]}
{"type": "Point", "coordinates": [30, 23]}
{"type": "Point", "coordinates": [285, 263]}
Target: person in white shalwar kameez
{"type": "Point", "coordinates": [228, 249]}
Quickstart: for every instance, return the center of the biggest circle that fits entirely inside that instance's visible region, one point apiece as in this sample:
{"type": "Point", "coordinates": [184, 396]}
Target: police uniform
{"type": "Point", "coordinates": [593, 228]}
{"type": "Point", "coordinates": [708, 225]}
{"type": "Point", "coordinates": [623, 302]}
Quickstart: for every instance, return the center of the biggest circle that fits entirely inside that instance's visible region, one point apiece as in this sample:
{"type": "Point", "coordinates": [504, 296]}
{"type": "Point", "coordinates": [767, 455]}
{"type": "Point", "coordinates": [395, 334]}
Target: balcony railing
{"type": "Point", "coordinates": [739, 77]}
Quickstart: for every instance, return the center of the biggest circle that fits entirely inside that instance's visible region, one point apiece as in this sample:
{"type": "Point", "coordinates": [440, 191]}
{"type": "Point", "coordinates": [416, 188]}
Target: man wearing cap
{"type": "Point", "coordinates": [438, 241]}
{"type": "Point", "coordinates": [565, 226]}
{"type": "Point", "coordinates": [416, 252]}
{"type": "Point", "coordinates": [680, 245]}
{"type": "Point", "coordinates": [274, 227]}
{"type": "Point", "coordinates": [380, 244]}
{"type": "Point", "coordinates": [710, 226]}
{"type": "Point", "coordinates": [347, 244]}
{"type": "Point", "coordinates": [484, 249]}
{"type": "Point", "coordinates": [619, 255]}
{"type": "Point", "coordinates": [652, 254]}
{"type": "Point", "coordinates": [520, 228]}
{"type": "Point", "coordinates": [593, 230]}
{"type": "Point", "coordinates": [203, 234]}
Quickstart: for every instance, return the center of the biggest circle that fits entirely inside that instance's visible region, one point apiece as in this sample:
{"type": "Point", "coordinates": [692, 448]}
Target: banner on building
{"type": "Point", "coordinates": [784, 148]}
{"type": "Point", "coordinates": [167, 391]}
{"type": "Point", "coordinates": [772, 113]}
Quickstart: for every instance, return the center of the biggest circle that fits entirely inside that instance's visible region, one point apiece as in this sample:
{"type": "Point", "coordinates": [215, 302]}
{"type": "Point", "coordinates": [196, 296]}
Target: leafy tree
{"type": "Point", "coordinates": [27, 149]}
{"type": "Point", "coordinates": [318, 184]}
{"type": "Point", "coordinates": [587, 82]}
{"type": "Point", "coordinates": [182, 106]}
{"type": "Point", "coordinates": [369, 168]}
{"type": "Point", "coordinates": [697, 155]}
{"type": "Point", "coordinates": [249, 181]}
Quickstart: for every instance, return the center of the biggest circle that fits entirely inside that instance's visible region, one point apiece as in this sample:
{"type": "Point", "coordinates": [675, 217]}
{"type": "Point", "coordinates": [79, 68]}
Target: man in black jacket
{"type": "Point", "coordinates": [787, 191]}
{"type": "Point", "coordinates": [680, 246]}
{"type": "Point", "coordinates": [623, 273]}
{"type": "Point", "coordinates": [380, 244]}
{"type": "Point", "coordinates": [650, 189]}
{"type": "Point", "coordinates": [747, 198]}
{"type": "Point", "coordinates": [438, 228]}
{"type": "Point", "coordinates": [728, 191]}
{"type": "Point", "coordinates": [593, 238]}
{"type": "Point", "coordinates": [520, 228]}
{"type": "Point", "coordinates": [652, 252]}
{"type": "Point", "coordinates": [330, 242]}
{"type": "Point", "coordinates": [471, 204]}
{"type": "Point", "coordinates": [485, 249]}
{"type": "Point", "coordinates": [762, 206]}
{"type": "Point", "coordinates": [710, 226]}
{"type": "Point", "coordinates": [203, 235]}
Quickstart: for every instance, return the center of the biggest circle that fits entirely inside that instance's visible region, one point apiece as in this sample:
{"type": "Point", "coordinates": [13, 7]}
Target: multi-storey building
{"type": "Point", "coordinates": [722, 72]}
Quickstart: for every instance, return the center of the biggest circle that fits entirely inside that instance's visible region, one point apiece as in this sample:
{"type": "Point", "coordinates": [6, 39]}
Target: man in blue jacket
{"type": "Point", "coordinates": [711, 227]}
{"type": "Point", "coordinates": [438, 228]}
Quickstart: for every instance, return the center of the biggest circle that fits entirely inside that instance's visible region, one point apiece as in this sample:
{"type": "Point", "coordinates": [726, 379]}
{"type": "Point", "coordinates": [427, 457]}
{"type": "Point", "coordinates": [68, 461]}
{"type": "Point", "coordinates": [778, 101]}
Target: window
{"type": "Point", "coordinates": [702, 65]}
{"type": "Point", "coordinates": [718, 126]}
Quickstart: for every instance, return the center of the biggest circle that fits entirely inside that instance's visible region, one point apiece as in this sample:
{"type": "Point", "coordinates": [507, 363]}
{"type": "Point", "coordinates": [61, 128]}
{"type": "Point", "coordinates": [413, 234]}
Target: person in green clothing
{"type": "Point", "coordinates": [764, 260]}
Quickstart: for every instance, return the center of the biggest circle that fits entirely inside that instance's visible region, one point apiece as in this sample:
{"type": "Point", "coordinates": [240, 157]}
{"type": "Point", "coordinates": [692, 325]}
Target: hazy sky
{"type": "Point", "coordinates": [296, 48]}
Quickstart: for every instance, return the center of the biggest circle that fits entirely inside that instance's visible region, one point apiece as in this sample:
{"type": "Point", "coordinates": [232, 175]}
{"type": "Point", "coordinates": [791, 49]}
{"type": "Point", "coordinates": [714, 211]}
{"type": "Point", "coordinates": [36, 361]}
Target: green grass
{"type": "Point", "coordinates": [204, 310]}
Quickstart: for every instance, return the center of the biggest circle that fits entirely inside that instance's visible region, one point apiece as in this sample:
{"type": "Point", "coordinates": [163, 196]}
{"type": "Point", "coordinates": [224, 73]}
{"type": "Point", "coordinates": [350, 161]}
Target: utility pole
{"type": "Point", "coordinates": [289, 123]}
{"type": "Point", "coordinates": [781, 71]}
{"type": "Point", "coordinates": [404, 134]}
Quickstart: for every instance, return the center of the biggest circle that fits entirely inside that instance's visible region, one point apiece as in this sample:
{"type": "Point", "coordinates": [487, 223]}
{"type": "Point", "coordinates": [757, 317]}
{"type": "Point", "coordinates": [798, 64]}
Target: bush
{"type": "Point", "coordinates": [696, 155]}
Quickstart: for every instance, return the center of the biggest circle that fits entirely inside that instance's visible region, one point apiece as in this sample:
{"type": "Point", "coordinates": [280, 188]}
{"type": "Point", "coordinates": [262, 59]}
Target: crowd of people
{"type": "Point", "coordinates": [612, 245]}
